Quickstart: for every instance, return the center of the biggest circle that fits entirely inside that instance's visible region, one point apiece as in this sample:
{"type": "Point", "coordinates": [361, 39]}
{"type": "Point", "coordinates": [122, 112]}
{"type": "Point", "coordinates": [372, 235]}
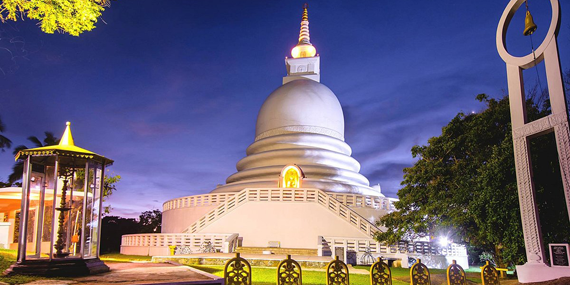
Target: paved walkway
{"type": "Point", "coordinates": [140, 273]}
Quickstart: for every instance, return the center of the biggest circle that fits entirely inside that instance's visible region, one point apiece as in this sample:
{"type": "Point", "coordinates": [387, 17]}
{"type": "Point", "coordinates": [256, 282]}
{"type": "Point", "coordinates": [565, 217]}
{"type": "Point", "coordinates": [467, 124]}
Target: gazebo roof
{"type": "Point", "coordinates": [66, 147]}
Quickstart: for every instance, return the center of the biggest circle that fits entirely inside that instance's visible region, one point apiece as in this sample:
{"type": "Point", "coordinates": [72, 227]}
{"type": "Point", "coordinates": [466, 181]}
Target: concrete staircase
{"type": "Point", "coordinates": [277, 250]}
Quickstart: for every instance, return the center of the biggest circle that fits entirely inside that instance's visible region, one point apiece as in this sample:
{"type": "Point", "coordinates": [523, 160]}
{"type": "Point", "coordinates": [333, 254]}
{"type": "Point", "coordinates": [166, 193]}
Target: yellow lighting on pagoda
{"type": "Point", "coordinates": [303, 51]}
{"type": "Point", "coordinates": [291, 176]}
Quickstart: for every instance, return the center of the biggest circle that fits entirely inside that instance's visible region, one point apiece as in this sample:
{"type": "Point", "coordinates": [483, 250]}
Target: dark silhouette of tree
{"type": "Point", "coordinates": [150, 221]}
{"type": "Point", "coordinates": [18, 168]}
{"type": "Point", "coordinates": [112, 228]}
{"type": "Point", "coordinates": [4, 141]}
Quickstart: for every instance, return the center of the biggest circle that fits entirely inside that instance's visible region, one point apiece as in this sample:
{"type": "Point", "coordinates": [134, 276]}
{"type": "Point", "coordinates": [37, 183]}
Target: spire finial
{"type": "Point", "coordinates": [67, 138]}
{"type": "Point", "coordinates": [304, 48]}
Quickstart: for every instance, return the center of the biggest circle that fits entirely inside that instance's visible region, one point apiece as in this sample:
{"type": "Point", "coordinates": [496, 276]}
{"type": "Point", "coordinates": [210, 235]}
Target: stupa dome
{"type": "Point", "coordinates": [301, 105]}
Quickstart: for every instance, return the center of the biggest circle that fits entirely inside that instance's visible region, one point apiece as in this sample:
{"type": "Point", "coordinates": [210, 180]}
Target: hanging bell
{"type": "Point", "coordinates": [529, 25]}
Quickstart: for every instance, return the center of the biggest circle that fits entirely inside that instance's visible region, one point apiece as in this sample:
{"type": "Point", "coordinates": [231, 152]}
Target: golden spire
{"type": "Point", "coordinates": [304, 48]}
{"type": "Point", "coordinates": [67, 138]}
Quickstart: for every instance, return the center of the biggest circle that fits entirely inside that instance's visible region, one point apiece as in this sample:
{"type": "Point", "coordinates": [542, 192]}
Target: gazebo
{"type": "Point", "coordinates": [59, 224]}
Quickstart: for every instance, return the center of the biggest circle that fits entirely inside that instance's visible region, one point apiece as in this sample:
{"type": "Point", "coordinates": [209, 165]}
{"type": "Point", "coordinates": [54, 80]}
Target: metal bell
{"type": "Point", "coordinates": [529, 25]}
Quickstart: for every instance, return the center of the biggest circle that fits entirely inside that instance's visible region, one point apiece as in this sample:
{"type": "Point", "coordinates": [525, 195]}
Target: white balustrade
{"type": "Point", "coordinates": [350, 200]}
{"type": "Point", "coordinates": [304, 195]}
{"type": "Point", "coordinates": [158, 244]}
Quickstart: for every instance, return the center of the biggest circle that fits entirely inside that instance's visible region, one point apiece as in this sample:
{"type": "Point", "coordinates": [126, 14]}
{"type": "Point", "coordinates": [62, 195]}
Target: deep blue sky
{"type": "Point", "coordinates": [171, 89]}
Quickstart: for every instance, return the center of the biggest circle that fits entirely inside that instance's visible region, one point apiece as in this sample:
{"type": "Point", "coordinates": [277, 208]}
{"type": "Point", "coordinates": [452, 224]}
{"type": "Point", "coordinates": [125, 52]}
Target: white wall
{"type": "Point", "coordinates": [177, 220]}
{"type": "Point", "coordinates": [5, 235]}
{"type": "Point", "coordinates": [294, 225]}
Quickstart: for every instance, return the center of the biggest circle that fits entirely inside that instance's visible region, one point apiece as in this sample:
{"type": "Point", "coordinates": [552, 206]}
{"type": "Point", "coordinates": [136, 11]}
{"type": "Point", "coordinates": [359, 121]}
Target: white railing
{"type": "Point", "coordinates": [140, 242]}
{"type": "Point", "coordinates": [285, 195]}
{"type": "Point", "coordinates": [457, 250]}
{"type": "Point", "coordinates": [350, 200]}
{"type": "Point", "coordinates": [363, 201]}
{"type": "Point", "coordinates": [327, 244]}
{"type": "Point", "coordinates": [196, 200]}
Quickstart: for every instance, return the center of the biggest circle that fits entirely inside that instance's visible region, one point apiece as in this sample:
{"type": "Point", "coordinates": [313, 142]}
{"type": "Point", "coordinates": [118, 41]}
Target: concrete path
{"type": "Point", "coordinates": [140, 273]}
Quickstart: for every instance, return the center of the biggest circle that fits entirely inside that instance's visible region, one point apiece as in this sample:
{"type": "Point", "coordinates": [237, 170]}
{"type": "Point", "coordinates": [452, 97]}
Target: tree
{"type": "Point", "coordinates": [65, 16]}
{"type": "Point", "coordinates": [150, 221]}
{"type": "Point", "coordinates": [4, 141]}
{"type": "Point", "coordinates": [18, 168]}
{"type": "Point", "coordinates": [109, 187]}
{"type": "Point", "coordinates": [112, 228]}
{"type": "Point", "coordinates": [464, 185]}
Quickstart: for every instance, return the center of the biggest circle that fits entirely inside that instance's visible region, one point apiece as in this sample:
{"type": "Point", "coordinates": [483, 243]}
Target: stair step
{"type": "Point", "coordinates": [278, 250]}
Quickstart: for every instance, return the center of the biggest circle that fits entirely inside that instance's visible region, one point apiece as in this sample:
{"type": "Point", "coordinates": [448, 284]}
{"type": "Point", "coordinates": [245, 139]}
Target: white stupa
{"type": "Point", "coordinates": [297, 191]}
{"type": "Point", "coordinates": [297, 187]}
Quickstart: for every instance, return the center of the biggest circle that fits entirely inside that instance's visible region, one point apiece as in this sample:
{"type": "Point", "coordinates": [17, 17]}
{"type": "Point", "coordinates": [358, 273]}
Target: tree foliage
{"type": "Point", "coordinates": [112, 228]}
{"type": "Point", "coordinates": [150, 221]}
{"type": "Point", "coordinates": [18, 168]}
{"type": "Point", "coordinates": [65, 16]}
{"type": "Point", "coordinates": [4, 141]}
{"type": "Point", "coordinates": [464, 185]}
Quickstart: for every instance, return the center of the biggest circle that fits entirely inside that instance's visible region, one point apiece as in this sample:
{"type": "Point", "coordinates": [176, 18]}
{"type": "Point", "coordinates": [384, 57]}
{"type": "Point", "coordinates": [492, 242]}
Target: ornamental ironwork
{"type": "Point", "coordinates": [380, 273]}
{"type": "Point", "coordinates": [237, 271]}
{"type": "Point", "coordinates": [455, 274]}
{"type": "Point", "coordinates": [289, 272]}
{"type": "Point", "coordinates": [489, 275]}
{"type": "Point", "coordinates": [182, 250]}
{"type": "Point", "coordinates": [367, 257]}
{"type": "Point", "coordinates": [337, 273]}
{"type": "Point", "coordinates": [207, 247]}
{"type": "Point", "coordinates": [419, 274]}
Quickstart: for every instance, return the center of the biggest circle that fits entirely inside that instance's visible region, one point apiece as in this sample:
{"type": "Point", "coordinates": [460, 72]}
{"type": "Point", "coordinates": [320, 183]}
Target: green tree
{"type": "Point", "coordinates": [4, 141]}
{"type": "Point", "coordinates": [65, 16]}
{"type": "Point", "coordinates": [150, 221]}
{"type": "Point", "coordinates": [464, 186]}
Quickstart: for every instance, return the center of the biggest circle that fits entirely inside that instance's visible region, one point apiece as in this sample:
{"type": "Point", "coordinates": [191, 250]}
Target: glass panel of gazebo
{"type": "Point", "coordinates": [92, 205]}
{"type": "Point", "coordinates": [36, 209]}
{"type": "Point", "coordinates": [42, 187]}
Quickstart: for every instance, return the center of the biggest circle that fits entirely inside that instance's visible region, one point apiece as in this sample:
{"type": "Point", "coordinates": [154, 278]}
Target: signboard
{"type": "Point", "coordinates": [559, 255]}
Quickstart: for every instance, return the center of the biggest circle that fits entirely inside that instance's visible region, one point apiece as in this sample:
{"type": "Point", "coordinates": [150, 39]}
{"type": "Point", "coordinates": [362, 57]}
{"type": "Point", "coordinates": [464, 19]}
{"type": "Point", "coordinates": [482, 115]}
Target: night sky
{"type": "Point", "coordinates": [171, 89]}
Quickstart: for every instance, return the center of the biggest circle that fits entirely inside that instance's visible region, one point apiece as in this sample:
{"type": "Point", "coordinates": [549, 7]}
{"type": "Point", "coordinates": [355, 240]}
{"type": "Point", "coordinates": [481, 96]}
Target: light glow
{"type": "Point", "coordinates": [443, 241]}
{"type": "Point", "coordinates": [303, 50]}
{"type": "Point", "coordinates": [291, 177]}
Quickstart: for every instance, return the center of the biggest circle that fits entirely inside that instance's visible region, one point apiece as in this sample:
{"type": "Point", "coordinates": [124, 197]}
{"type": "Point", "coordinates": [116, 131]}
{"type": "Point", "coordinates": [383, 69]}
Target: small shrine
{"type": "Point", "coordinates": [59, 224]}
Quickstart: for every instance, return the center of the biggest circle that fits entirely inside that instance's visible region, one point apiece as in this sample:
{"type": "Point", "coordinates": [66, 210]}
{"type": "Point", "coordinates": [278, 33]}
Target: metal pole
{"type": "Point", "coordinates": [85, 195]}
{"type": "Point", "coordinates": [53, 219]}
{"type": "Point", "coordinates": [101, 188]}
{"type": "Point", "coordinates": [23, 232]}
{"type": "Point", "coordinates": [71, 186]}
{"type": "Point", "coordinates": [40, 226]}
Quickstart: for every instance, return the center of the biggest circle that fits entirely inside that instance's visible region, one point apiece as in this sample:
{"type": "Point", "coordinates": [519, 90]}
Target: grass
{"type": "Point", "coordinates": [117, 257]}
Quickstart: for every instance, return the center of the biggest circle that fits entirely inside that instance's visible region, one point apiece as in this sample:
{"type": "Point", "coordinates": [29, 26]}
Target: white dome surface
{"type": "Point", "coordinates": [301, 105]}
{"type": "Point", "coordinates": [300, 123]}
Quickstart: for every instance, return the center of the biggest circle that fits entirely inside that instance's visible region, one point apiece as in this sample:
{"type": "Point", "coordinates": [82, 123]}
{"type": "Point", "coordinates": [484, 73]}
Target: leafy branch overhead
{"type": "Point", "coordinates": [65, 16]}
